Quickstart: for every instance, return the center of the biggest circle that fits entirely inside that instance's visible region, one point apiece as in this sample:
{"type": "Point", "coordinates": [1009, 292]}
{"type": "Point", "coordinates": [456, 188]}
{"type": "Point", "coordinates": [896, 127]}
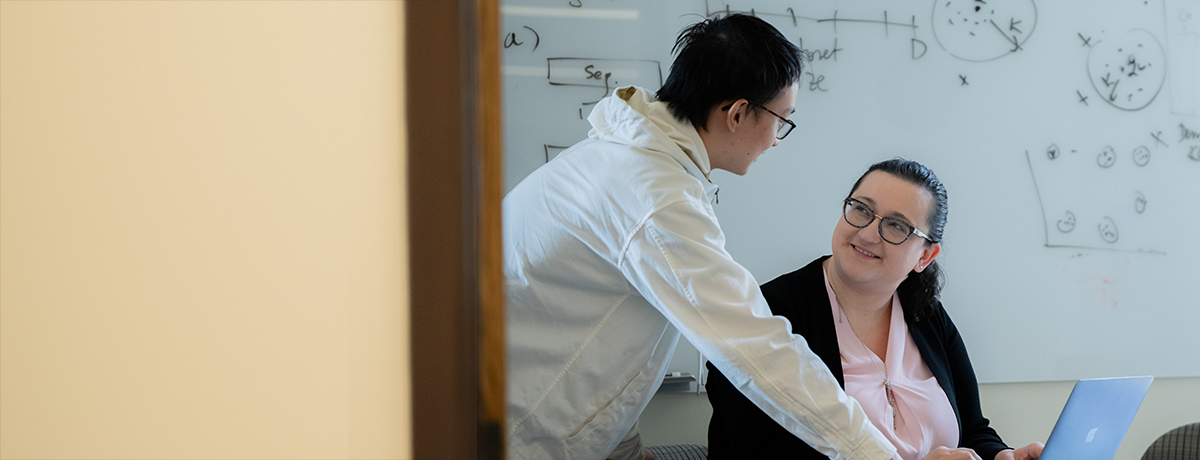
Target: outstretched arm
{"type": "Point", "coordinates": [677, 261]}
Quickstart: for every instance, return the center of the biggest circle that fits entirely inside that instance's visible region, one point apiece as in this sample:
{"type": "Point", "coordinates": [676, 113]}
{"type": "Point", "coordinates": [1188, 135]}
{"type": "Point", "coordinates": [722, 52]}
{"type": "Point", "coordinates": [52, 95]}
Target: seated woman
{"type": "Point", "coordinates": [871, 312]}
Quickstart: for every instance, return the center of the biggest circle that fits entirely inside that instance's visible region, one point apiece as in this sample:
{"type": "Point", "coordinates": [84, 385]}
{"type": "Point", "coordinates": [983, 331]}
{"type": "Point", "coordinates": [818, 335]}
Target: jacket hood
{"type": "Point", "coordinates": [635, 117]}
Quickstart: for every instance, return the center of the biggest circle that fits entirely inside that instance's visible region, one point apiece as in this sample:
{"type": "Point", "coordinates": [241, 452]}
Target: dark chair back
{"type": "Point", "coordinates": [1182, 443]}
{"type": "Point", "coordinates": [679, 452]}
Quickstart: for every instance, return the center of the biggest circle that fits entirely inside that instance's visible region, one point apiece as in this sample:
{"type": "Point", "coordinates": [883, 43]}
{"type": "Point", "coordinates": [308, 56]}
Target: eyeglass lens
{"type": "Point", "coordinates": [785, 128]}
{"type": "Point", "coordinates": [860, 215]}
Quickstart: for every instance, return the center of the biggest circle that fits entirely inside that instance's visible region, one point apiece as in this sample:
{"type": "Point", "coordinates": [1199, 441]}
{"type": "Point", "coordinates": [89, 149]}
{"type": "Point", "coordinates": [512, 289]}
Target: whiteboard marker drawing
{"type": "Point", "coordinates": [1107, 157]}
{"type": "Point", "coordinates": [1108, 230]}
{"type": "Point", "coordinates": [1141, 155]}
{"type": "Point", "coordinates": [1067, 223]}
{"type": "Point", "coordinates": [1129, 70]}
{"type": "Point", "coordinates": [603, 73]}
{"type": "Point", "coordinates": [973, 30]}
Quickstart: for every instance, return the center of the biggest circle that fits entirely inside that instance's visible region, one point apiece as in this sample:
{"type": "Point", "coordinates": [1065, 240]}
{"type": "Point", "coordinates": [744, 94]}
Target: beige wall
{"type": "Point", "coordinates": [1021, 412]}
{"type": "Point", "coordinates": [202, 230]}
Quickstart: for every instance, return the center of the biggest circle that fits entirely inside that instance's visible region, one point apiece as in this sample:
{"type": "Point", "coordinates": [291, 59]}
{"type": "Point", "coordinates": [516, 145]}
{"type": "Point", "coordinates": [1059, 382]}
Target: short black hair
{"type": "Point", "coordinates": [731, 57]}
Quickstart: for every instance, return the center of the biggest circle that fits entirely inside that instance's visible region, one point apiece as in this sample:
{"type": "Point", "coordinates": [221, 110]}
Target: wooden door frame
{"type": "Point", "coordinates": [455, 173]}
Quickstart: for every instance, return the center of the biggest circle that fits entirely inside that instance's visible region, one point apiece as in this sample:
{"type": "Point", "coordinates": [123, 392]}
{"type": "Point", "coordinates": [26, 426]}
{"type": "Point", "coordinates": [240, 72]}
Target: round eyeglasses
{"type": "Point", "coordinates": [891, 229]}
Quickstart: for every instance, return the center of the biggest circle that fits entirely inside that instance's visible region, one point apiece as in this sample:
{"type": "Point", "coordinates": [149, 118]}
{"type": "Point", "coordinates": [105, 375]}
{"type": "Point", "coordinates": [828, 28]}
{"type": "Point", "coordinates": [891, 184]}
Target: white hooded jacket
{"type": "Point", "coordinates": [612, 250]}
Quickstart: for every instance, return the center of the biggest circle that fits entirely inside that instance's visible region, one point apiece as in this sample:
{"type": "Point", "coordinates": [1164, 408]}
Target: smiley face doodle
{"type": "Point", "coordinates": [978, 30]}
{"type": "Point", "coordinates": [1141, 156]}
{"type": "Point", "coordinates": [1107, 157]}
{"type": "Point", "coordinates": [1067, 223]}
{"type": "Point", "coordinates": [1108, 230]}
{"type": "Point", "coordinates": [1053, 151]}
{"type": "Point", "coordinates": [1139, 202]}
{"type": "Point", "coordinates": [1128, 70]}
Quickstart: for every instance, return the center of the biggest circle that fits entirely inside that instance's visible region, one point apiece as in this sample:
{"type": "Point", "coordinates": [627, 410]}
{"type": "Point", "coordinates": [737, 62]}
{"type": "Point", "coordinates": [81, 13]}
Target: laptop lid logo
{"type": "Point", "coordinates": [1091, 435]}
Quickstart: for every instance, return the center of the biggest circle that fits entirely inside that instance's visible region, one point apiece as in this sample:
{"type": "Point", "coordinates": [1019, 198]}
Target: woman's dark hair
{"type": "Point", "coordinates": [731, 57]}
{"type": "Point", "coordinates": [919, 291]}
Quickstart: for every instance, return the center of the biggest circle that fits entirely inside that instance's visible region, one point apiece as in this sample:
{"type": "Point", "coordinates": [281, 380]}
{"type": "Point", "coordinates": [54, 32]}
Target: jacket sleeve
{"type": "Point", "coordinates": [676, 259]}
{"type": "Point", "coordinates": [977, 433]}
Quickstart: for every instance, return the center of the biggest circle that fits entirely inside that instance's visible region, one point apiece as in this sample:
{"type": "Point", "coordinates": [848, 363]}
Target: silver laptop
{"type": "Point", "coordinates": [1095, 419]}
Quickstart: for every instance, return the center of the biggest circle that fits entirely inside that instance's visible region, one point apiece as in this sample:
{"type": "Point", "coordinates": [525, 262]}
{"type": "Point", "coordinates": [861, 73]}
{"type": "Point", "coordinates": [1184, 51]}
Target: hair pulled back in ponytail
{"type": "Point", "coordinates": [919, 292]}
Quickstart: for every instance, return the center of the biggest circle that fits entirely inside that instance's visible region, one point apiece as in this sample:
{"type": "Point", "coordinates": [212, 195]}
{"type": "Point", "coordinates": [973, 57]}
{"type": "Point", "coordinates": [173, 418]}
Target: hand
{"type": "Point", "coordinates": [649, 456]}
{"type": "Point", "coordinates": [946, 453]}
{"type": "Point", "coordinates": [1030, 452]}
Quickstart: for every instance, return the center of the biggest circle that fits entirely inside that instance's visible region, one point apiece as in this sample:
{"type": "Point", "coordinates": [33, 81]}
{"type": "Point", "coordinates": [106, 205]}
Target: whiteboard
{"type": "Point", "coordinates": [1067, 133]}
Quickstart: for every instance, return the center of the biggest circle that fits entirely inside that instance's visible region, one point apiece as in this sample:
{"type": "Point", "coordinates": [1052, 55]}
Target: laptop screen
{"type": "Point", "coordinates": [1095, 418]}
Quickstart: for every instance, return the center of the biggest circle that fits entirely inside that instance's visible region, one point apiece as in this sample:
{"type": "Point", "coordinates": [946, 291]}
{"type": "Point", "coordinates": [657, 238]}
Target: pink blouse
{"type": "Point", "coordinates": [925, 419]}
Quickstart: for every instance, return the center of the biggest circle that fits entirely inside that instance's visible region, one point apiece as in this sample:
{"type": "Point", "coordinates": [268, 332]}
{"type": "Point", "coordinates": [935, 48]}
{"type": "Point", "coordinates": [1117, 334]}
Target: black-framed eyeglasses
{"type": "Point", "coordinates": [783, 130]}
{"type": "Point", "coordinates": [891, 229]}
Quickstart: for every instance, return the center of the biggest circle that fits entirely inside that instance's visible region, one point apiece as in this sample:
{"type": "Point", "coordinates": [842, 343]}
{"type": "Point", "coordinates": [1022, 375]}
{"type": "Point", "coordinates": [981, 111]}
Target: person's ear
{"type": "Point", "coordinates": [736, 114]}
{"type": "Point", "coordinates": [927, 257]}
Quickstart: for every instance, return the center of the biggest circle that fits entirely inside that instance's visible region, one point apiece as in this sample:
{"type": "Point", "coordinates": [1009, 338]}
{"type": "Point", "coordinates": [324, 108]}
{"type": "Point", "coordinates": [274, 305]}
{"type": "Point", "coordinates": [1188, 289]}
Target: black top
{"type": "Point", "coordinates": [738, 428]}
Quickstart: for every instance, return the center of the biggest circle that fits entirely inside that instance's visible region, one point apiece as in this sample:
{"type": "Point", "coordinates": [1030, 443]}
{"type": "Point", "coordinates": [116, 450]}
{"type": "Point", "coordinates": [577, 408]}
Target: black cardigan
{"type": "Point", "coordinates": [739, 429]}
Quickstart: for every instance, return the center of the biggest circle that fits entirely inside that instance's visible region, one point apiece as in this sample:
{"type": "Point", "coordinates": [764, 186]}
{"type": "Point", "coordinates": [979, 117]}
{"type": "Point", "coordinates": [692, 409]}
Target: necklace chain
{"type": "Point", "coordinates": [887, 383]}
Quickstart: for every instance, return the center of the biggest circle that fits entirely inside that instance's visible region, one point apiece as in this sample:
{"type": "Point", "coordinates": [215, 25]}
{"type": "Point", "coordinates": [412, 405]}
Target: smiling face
{"type": "Point", "coordinates": [862, 260]}
{"type": "Point", "coordinates": [752, 133]}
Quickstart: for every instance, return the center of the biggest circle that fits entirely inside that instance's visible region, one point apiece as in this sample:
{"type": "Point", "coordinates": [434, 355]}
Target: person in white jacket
{"type": "Point", "coordinates": [612, 250]}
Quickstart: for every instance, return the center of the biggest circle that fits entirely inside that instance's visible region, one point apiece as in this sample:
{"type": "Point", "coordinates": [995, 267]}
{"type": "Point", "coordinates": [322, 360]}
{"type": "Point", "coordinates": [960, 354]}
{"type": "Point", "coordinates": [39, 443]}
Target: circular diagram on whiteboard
{"type": "Point", "coordinates": [978, 30]}
{"type": "Point", "coordinates": [1128, 70]}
